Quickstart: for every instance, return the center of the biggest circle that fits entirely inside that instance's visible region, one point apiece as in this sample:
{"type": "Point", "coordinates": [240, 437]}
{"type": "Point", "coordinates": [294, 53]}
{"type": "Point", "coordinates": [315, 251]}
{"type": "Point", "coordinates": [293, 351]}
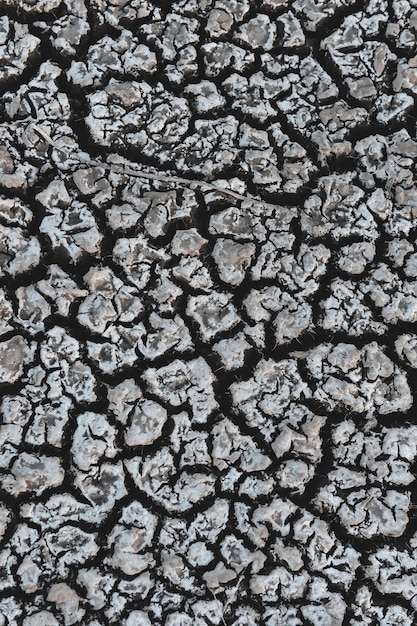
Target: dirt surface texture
{"type": "Point", "coordinates": [208, 309]}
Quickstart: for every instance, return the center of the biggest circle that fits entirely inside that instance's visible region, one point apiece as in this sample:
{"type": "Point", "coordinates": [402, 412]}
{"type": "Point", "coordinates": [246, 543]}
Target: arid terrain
{"type": "Point", "coordinates": [208, 308]}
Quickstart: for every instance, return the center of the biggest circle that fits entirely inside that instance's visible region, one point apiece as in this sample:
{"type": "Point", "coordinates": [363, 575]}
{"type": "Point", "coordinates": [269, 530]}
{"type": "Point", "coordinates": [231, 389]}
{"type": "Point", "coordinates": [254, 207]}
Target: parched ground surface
{"type": "Point", "coordinates": [207, 397]}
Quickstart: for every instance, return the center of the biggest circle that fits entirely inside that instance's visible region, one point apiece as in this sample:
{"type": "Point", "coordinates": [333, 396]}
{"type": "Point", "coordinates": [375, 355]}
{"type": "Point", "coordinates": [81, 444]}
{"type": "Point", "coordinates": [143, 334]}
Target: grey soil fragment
{"type": "Point", "coordinates": [70, 226]}
{"type": "Point", "coordinates": [346, 309]}
{"type": "Point", "coordinates": [273, 386]}
{"type": "Point", "coordinates": [232, 351]}
{"type": "Point", "coordinates": [406, 348]}
{"type": "Point", "coordinates": [19, 251]}
{"type": "Point", "coordinates": [67, 602]}
{"type": "Point", "coordinates": [15, 353]}
{"type": "Point", "coordinates": [232, 260]}
{"type": "Point", "coordinates": [33, 473]}
{"type": "Point", "coordinates": [189, 382]}
{"type": "Point", "coordinates": [146, 424]}
{"type": "Point", "coordinates": [213, 313]}
{"type": "Point", "coordinates": [259, 32]}
{"type": "Point", "coordinates": [124, 55]}
{"type": "Point", "coordinates": [17, 47]}
{"type": "Point", "coordinates": [363, 381]}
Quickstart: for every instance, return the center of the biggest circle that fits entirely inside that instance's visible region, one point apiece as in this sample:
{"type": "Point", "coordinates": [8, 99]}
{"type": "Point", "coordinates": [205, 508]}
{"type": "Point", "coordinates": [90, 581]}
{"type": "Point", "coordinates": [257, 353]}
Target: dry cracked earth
{"type": "Point", "coordinates": [208, 308]}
